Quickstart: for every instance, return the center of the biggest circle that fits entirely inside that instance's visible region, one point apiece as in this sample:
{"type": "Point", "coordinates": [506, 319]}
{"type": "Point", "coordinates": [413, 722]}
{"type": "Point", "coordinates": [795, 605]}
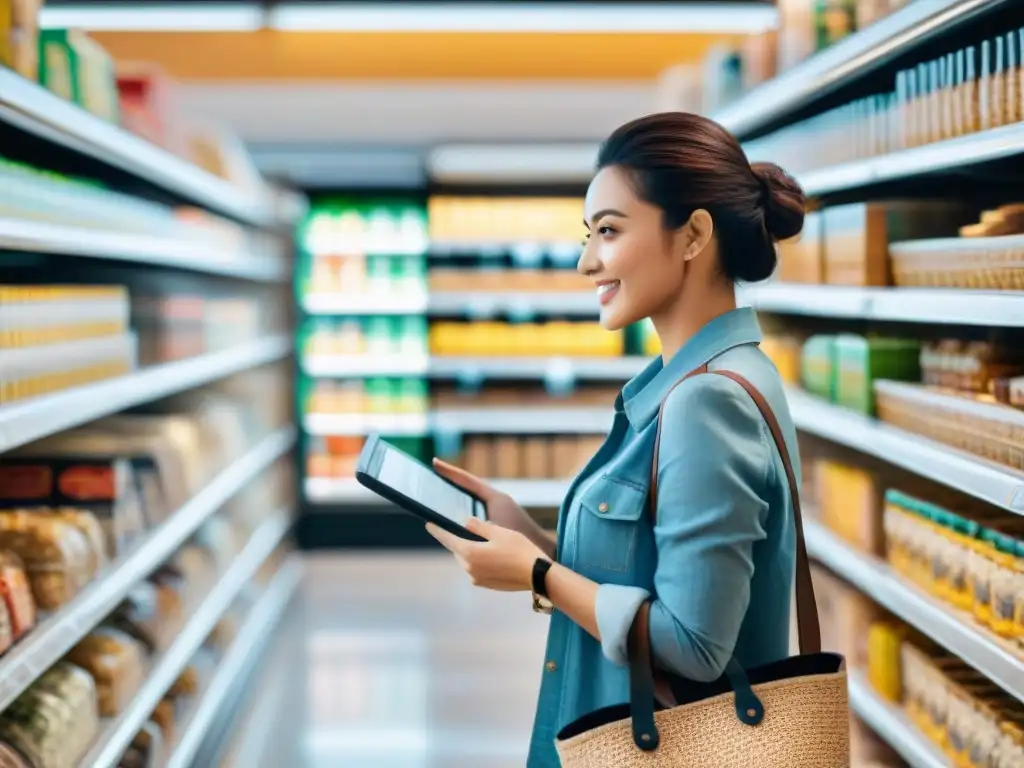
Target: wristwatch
{"type": "Point", "coordinates": [541, 602]}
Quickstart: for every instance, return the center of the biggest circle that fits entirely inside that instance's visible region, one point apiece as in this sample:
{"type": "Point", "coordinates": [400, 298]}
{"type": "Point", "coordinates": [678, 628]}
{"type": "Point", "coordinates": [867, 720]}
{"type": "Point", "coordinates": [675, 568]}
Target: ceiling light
{"type": "Point", "coordinates": [553, 17]}
{"type": "Point", "coordinates": [158, 18]}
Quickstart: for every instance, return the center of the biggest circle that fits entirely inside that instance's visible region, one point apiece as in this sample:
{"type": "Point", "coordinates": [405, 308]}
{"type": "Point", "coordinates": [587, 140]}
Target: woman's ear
{"type": "Point", "coordinates": [697, 233]}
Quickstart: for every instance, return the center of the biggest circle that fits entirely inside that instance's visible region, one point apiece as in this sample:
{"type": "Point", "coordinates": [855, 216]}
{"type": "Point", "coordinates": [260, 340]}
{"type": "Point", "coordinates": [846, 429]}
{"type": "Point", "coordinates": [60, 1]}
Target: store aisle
{"type": "Point", "coordinates": [394, 661]}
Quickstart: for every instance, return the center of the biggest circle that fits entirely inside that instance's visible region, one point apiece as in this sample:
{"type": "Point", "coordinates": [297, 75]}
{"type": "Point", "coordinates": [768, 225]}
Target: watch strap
{"type": "Point", "coordinates": [541, 566]}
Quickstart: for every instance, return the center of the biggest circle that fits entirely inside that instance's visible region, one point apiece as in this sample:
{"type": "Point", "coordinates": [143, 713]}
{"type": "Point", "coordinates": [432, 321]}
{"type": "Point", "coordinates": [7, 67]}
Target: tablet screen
{"type": "Point", "coordinates": [412, 479]}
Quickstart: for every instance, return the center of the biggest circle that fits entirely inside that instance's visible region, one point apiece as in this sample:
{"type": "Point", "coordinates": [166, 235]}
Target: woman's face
{"type": "Point", "coordinates": [628, 253]}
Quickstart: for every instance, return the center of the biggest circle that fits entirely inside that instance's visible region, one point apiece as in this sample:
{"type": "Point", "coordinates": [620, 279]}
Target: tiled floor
{"type": "Point", "coordinates": [394, 661]}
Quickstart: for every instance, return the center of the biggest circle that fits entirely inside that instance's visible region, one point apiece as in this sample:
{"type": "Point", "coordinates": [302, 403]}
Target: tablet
{"type": "Point", "coordinates": [412, 485]}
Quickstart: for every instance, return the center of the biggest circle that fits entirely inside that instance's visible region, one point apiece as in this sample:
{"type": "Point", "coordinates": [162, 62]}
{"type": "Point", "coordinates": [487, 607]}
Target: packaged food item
{"type": "Point", "coordinates": [19, 605]}
{"type": "Point", "coordinates": [885, 666]}
{"type": "Point", "coordinates": [165, 717]}
{"type": "Point", "coordinates": [19, 30]}
{"type": "Point", "coordinates": [784, 351]}
{"type": "Point", "coordinates": [101, 489]}
{"type": "Point", "coordinates": [849, 501]}
{"type": "Point", "coordinates": [846, 616]}
{"type": "Point", "coordinates": [11, 757]}
{"type": "Point", "coordinates": [861, 360]}
{"type": "Point", "coordinates": [53, 722]}
{"type": "Point", "coordinates": [117, 663]}
{"type": "Point", "coordinates": [56, 554]}
{"type": "Point", "coordinates": [818, 366]}
{"type": "Point", "coordinates": [856, 237]}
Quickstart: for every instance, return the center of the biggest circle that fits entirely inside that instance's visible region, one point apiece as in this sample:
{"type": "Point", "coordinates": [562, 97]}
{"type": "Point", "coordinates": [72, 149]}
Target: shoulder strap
{"type": "Point", "coordinates": [808, 628]}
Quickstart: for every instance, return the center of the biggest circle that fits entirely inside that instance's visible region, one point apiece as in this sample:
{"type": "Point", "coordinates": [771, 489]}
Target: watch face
{"type": "Point", "coordinates": [542, 605]}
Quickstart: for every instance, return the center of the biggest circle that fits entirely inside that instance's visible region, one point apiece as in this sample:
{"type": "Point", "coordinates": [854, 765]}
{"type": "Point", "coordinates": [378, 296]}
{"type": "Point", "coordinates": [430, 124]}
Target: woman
{"type": "Point", "coordinates": [676, 216]}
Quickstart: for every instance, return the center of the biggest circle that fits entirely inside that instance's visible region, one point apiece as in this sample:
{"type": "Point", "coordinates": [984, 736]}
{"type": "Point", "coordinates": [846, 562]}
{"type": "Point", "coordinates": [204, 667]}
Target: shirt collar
{"type": "Point", "coordinates": [643, 394]}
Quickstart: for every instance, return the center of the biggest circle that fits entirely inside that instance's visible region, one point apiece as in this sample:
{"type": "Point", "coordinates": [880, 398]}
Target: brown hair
{"type": "Point", "coordinates": [682, 162]}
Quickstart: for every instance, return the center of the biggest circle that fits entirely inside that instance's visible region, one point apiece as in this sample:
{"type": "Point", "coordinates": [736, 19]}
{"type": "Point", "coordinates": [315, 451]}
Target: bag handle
{"type": "Point", "coordinates": [808, 629]}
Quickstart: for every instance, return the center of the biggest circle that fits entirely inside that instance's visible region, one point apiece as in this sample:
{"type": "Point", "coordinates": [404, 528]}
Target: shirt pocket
{"type": "Point", "coordinates": [610, 510]}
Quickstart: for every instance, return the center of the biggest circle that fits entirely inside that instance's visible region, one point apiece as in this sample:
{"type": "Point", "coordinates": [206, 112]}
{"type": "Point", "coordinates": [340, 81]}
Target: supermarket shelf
{"type": "Point", "coordinates": [895, 728]}
{"type": "Point", "coordinates": [945, 625]}
{"type": "Point", "coordinates": [912, 305]}
{"type": "Point", "coordinates": [958, 153]}
{"type": "Point", "coordinates": [23, 422]}
{"type": "Point", "coordinates": [550, 420]}
{"type": "Point", "coordinates": [34, 109]}
{"type": "Point", "coordinates": [486, 304]}
{"type": "Point", "coordinates": [563, 250]}
{"type": "Point", "coordinates": [329, 366]}
{"type": "Point", "coordinates": [943, 464]}
{"type": "Point", "coordinates": [54, 636]}
{"type": "Point", "coordinates": [529, 493]}
{"type": "Point", "coordinates": [544, 420]}
{"type": "Point", "coordinates": [847, 61]}
{"type": "Point", "coordinates": [389, 424]}
{"type": "Point", "coordinates": [243, 654]}
{"type": "Point", "coordinates": [365, 304]}
{"type": "Point", "coordinates": [118, 733]}
{"type": "Point", "coordinates": [53, 238]}
{"type": "Point", "coordinates": [557, 368]}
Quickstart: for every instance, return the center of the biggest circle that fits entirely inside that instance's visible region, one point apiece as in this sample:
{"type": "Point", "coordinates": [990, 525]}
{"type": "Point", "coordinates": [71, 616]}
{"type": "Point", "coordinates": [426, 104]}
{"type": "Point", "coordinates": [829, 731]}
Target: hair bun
{"type": "Point", "coordinates": [783, 201]}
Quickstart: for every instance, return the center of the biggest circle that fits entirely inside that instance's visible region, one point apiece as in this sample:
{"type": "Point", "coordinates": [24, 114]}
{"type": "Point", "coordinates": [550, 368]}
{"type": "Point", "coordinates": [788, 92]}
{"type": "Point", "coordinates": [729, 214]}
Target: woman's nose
{"type": "Point", "coordinates": [588, 262]}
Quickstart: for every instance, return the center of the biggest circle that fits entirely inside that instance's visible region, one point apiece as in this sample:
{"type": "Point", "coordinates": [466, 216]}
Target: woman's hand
{"type": "Point", "coordinates": [504, 562]}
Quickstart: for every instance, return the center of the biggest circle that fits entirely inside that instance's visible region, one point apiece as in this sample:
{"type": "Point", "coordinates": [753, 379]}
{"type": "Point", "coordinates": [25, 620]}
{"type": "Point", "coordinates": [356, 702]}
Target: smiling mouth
{"type": "Point", "coordinates": [606, 292]}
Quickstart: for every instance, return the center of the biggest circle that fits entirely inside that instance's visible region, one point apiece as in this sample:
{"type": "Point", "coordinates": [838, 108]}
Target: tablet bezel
{"type": "Point", "coordinates": [368, 467]}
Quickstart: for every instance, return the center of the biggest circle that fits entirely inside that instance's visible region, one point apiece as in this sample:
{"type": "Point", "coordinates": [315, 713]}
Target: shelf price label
{"type": "Point", "coordinates": [559, 376]}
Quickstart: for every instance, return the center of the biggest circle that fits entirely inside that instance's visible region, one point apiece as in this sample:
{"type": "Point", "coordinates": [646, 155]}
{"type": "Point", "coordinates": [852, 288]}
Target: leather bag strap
{"type": "Point", "coordinates": [808, 628]}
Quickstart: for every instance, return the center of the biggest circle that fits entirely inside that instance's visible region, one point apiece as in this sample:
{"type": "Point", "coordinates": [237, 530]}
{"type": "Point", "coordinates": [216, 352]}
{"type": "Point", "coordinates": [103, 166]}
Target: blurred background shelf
{"type": "Point", "coordinates": [23, 422]}
{"type": "Point", "coordinates": [37, 111]}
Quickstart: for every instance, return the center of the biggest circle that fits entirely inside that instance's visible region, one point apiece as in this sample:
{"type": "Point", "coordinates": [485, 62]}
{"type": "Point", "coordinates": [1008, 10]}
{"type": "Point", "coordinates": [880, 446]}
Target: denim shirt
{"type": "Point", "coordinates": [718, 561]}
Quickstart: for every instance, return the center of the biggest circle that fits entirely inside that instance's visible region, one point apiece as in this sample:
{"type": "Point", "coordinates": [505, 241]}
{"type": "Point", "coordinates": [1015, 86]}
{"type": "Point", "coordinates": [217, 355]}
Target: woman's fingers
{"type": "Point", "coordinates": [464, 479]}
{"type": "Point", "coordinates": [451, 542]}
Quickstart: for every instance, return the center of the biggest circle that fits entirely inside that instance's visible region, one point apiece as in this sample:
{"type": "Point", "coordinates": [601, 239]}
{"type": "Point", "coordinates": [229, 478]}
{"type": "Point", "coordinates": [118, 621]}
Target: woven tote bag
{"type": "Point", "coordinates": [792, 713]}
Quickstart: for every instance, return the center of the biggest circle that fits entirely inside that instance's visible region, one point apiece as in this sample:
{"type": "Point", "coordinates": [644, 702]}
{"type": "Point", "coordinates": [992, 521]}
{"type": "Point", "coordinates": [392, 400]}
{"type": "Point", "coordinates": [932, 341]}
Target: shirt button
{"type": "Point", "coordinates": [551, 666]}
{"type": "Point", "coordinates": [602, 507]}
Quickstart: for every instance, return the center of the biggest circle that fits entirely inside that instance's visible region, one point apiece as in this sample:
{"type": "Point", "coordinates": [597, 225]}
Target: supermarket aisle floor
{"type": "Point", "coordinates": [396, 662]}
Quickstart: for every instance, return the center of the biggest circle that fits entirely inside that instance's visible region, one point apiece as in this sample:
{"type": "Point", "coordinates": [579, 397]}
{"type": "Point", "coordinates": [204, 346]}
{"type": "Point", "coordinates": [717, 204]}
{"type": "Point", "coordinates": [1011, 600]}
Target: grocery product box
{"type": "Point", "coordinates": [107, 488]}
{"type": "Point", "coordinates": [856, 237]}
{"type": "Point", "coordinates": [801, 258]}
{"type": "Point", "coordinates": [846, 616]}
{"type": "Point", "coordinates": [147, 105]}
{"type": "Point", "coordinates": [818, 366]}
{"type": "Point", "coordinates": [76, 68]}
{"type": "Point", "coordinates": [861, 360]}
{"type": "Point", "coordinates": [19, 31]}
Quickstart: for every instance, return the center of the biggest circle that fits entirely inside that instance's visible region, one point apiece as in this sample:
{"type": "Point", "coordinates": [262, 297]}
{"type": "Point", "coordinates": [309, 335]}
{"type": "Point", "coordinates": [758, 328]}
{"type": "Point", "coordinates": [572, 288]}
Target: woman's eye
{"type": "Point", "coordinates": [605, 230]}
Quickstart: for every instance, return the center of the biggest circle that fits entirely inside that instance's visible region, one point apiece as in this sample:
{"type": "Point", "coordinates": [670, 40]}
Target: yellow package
{"type": "Point", "coordinates": [885, 641]}
{"type": "Point", "coordinates": [1005, 568]}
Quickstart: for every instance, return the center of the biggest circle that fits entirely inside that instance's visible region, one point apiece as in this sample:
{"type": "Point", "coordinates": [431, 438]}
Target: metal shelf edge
{"type": "Point", "coordinates": [879, 582]}
{"type": "Point", "coordinates": [25, 421]}
{"type": "Point", "coordinates": [51, 238]}
{"type": "Point", "coordinates": [52, 638]}
{"type": "Point", "coordinates": [111, 743]}
{"type": "Point", "coordinates": [913, 305]}
{"type": "Point", "coordinates": [33, 108]}
{"type": "Point", "coordinates": [986, 146]}
{"type": "Point", "coordinates": [940, 463]}
{"type": "Point", "coordinates": [247, 646]}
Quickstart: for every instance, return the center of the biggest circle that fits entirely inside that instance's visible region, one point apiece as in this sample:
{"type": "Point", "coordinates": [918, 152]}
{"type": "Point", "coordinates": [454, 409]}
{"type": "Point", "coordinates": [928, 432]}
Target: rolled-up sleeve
{"type": "Point", "coordinates": [712, 474]}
